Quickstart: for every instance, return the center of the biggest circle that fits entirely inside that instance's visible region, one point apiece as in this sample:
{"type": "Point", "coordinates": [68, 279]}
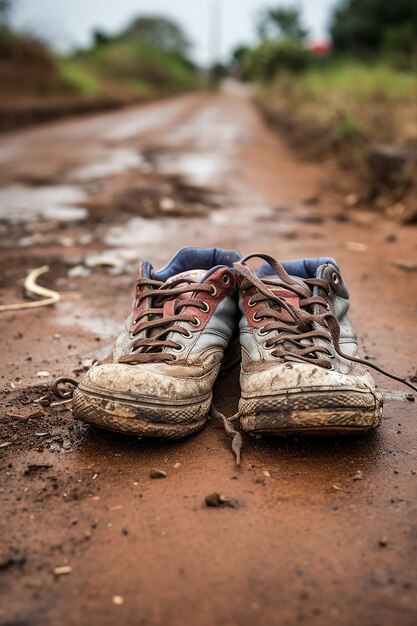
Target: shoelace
{"type": "Point", "coordinates": [293, 328]}
{"type": "Point", "coordinates": [148, 349]}
{"type": "Point", "coordinates": [154, 321]}
{"type": "Point", "coordinates": [302, 323]}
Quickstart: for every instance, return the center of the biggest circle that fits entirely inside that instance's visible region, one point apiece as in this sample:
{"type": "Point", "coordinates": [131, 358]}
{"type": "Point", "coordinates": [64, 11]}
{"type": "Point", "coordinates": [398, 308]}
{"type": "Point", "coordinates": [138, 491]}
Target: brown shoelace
{"type": "Point", "coordinates": [155, 326]}
{"type": "Point", "coordinates": [290, 330]}
{"type": "Point", "coordinates": [302, 324]}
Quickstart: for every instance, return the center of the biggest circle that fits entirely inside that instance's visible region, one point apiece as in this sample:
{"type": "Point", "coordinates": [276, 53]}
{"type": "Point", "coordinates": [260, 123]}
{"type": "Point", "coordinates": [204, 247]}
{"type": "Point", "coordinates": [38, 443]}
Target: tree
{"type": "Point", "coordinates": [160, 32]}
{"type": "Point", "coordinates": [100, 38]}
{"type": "Point", "coordinates": [281, 23]}
{"type": "Point", "coordinates": [363, 26]}
{"type": "Point", "coordinates": [5, 8]}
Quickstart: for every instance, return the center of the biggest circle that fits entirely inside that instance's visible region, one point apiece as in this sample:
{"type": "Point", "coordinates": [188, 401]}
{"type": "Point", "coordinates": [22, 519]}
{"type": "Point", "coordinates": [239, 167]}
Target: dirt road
{"type": "Point", "coordinates": [324, 531]}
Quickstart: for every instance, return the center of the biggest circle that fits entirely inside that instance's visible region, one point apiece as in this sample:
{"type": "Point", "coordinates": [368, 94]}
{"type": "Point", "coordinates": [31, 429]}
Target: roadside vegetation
{"type": "Point", "coordinates": [151, 57]}
{"type": "Point", "coordinates": [361, 84]}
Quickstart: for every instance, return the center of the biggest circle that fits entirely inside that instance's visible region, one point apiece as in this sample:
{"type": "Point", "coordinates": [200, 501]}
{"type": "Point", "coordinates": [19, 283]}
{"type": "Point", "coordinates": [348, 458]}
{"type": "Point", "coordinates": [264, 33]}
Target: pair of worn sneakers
{"type": "Point", "coordinates": [287, 325]}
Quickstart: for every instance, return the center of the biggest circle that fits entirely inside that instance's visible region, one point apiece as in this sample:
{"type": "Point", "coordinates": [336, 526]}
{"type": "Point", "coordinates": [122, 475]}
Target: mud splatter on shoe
{"type": "Point", "coordinates": [301, 372]}
{"type": "Point", "coordinates": [157, 381]}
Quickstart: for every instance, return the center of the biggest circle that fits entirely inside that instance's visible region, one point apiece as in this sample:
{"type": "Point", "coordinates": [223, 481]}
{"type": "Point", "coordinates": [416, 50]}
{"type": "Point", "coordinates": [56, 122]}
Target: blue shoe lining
{"type": "Point", "coordinates": [303, 268]}
{"type": "Point", "coordinates": [194, 258]}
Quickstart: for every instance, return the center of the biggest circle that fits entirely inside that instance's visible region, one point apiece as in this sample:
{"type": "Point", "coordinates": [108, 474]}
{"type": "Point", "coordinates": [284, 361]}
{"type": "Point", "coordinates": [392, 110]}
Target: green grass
{"type": "Point", "coordinates": [127, 66]}
{"type": "Point", "coordinates": [78, 79]}
{"type": "Point", "coordinates": [372, 101]}
{"type": "Point", "coordinates": [360, 81]}
{"type": "Point", "coordinates": [122, 69]}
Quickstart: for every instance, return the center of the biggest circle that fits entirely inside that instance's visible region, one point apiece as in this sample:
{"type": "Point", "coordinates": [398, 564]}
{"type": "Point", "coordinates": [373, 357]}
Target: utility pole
{"type": "Point", "coordinates": [215, 30]}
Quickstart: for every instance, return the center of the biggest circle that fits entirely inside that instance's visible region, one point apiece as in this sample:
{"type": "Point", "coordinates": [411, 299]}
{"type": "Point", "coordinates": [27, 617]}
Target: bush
{"type": "Point", "coordinates": [274, 56]}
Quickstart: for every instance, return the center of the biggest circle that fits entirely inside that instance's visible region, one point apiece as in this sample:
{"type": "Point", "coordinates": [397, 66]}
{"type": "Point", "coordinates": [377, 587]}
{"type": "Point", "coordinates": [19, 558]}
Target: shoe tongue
{"type": "Point", "coordinates": [281, 290]}
{"type": "Point", "coordinates": [192, 276]}
{"type": "Point", "coordinates": [277, 281]}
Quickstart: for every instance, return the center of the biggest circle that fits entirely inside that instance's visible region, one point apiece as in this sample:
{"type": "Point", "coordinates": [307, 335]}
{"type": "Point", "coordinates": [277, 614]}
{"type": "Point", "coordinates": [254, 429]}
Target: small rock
{"type": "Point", "coordinates": [79, 271]}
{"type": "Point", "coordinates": [102, 260]}
{"type": "Point", "coordinates": [117, 600]}
{"type": "Point", "coordinates": [85, 239]}
{"type": "Point", "coordinates": [63, 570]}
{"type": "Point", "coordinates": [167, 204]}
{"type": "Point", "coordinates": [352, 199]}
{"type": "Point", "coordinates": [410, 397]}
{"type": "Point", "coordinates": [310, 200]}
{"type": "Point", "coordinates": [216, 500]}
{"type": "Point", "coordinates": [213, 500]}
{"type": "Point", "coordinates": [392, 165]}
{"type": "Point", "coordinates": [383, 541]}
{"type": "Point", "coordinates": [43, 374]}
{"type": "Point", "coordinates": [359, 475]}
{"type": "Point", "coordinates": [67, 242]}
{"type": "Point", "coordinates": [156, 473]}
{"type": "Point", "coordinates": [356, 246]}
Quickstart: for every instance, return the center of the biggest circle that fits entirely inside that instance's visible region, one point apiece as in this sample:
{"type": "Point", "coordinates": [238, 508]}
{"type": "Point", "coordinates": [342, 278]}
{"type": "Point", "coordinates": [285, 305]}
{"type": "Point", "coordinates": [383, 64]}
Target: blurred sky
{"type": "Point", "coordinates": [68, 23]}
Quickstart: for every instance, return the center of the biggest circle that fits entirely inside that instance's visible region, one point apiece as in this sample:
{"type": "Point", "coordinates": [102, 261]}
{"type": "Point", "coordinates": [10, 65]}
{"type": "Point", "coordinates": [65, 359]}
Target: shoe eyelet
{"type": "Point", "coordinates": [180, 348]}
{"type": "Point", "coordinates": [226, 279]}
{"type": "Point", "coordinates": [335, 278]}
{"type": "Point", "coordinates": [251, 303]}
{"type": "Point", "coordinates": [204, 308]}
{"type": "Point", "coordinates": [213, 290]}
{"type": "Point", "coordinates": [255, 318]}
{"type": "Point", "coordinates": [196, 322]}
{"type": "Point", "coordinates": [262, 332]}
{"type": "Point", "coordinates": [188, 334]}
{"type": "Point", "coordinates": [328, 307]}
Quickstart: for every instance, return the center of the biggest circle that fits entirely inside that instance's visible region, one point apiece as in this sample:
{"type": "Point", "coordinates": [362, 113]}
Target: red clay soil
{"type": "Point", "coordinates": [321, 532]}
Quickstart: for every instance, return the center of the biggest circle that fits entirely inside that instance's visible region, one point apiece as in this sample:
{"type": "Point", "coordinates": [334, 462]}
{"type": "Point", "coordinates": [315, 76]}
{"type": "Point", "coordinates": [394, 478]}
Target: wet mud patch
{"type": "Point", "coordinates": [35, 426]}
{"type": "Point", "coordinates": [171, 198]}
{"type": "Point", "coordinates": [201, 169]}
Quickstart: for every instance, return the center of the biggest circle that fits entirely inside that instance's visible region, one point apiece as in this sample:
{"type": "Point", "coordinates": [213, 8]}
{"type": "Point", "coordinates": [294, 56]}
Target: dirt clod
{"type": "Point", "coordinates": [156, 473]}
{"type": "Point", "coordinates": [217, 500]}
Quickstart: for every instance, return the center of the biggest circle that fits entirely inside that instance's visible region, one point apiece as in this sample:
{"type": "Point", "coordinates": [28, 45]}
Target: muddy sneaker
{"type": "Point", "coordinates": [300, 370]}
{"type": "Point", "coordinates": [157, 381]}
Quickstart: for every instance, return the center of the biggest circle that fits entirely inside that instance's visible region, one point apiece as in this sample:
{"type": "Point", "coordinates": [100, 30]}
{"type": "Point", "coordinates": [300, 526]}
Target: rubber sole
{"type": "Point", "coordinates": [314, 413]}
{"type": "Point", "coordinates": [140, 418]}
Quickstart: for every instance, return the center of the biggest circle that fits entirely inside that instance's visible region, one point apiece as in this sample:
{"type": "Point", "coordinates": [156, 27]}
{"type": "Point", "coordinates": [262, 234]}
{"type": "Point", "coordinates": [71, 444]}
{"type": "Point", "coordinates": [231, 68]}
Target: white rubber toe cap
{"type": "Point", "coordinates": [152, 381]}
{"type": "Point", "coordinates": [296, 377]}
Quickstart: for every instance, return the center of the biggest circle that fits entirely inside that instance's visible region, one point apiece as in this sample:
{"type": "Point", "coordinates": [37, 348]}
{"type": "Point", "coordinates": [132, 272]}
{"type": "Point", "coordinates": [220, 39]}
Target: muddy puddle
{"type": "Point", "coordinates": [20, 203]}
{"type": "Point", "coordinates": [107, 163]}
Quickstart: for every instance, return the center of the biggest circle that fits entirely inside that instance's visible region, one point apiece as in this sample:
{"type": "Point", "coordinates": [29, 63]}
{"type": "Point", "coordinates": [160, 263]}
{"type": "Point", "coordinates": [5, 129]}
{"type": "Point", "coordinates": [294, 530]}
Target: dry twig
{"type": "Point", "coordinates": [49, 295]}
